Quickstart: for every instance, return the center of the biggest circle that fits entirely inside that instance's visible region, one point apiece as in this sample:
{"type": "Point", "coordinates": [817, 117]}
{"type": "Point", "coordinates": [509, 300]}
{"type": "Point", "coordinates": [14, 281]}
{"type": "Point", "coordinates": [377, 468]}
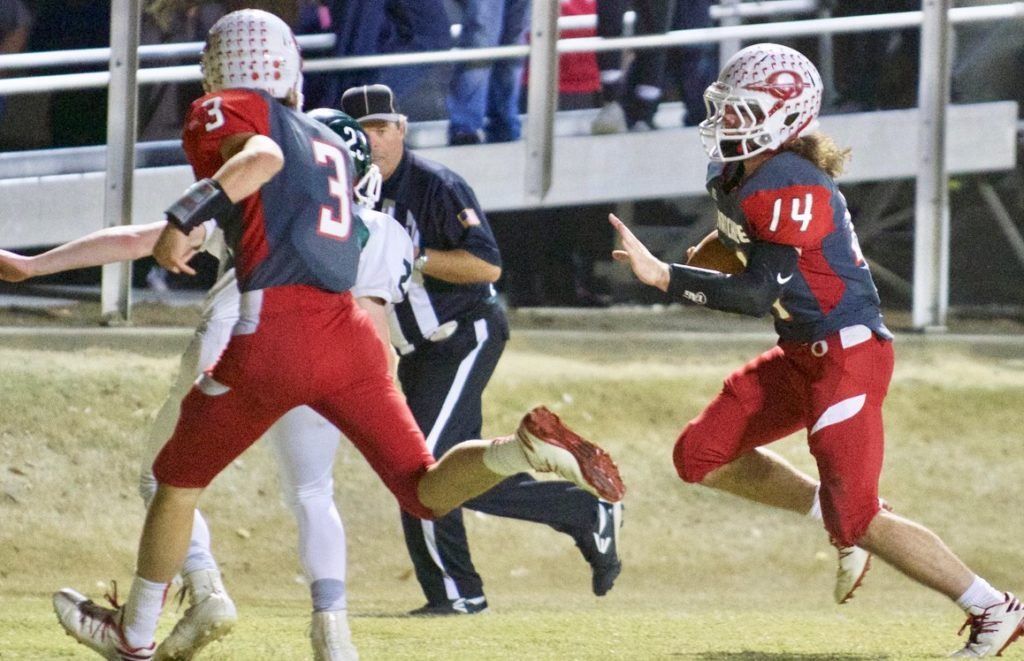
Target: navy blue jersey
{"type": "Point", "coordinates": [440, 211]}
{"type": "Point", "coordinates": [790, 201]}
{"type": "Point", "coordinates": [299, 228]}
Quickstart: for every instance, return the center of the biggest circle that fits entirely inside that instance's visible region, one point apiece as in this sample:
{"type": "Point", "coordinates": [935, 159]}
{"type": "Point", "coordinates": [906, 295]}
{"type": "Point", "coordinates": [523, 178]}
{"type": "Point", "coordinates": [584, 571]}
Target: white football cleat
{"type": "Point", "coordinates": [854, 563]}
{"type": "Point", "coordinates": [331, 637]}
{"type": "Point", "coordinates": [96, 627]}
{"type": "Point", "coordinates": [551, 447]}
{"type": "Point", "coordinates": [992, 628]}
{"type": "Point", "coordinates": [211, 615]}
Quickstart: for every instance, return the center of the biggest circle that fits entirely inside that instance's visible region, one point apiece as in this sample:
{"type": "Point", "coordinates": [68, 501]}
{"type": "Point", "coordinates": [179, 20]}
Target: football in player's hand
{"type": "Point", "coordinates": [712, 254]}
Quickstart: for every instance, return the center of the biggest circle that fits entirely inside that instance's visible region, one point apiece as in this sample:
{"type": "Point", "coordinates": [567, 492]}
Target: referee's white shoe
{"type": "Point", "coordinates": [551, 447]}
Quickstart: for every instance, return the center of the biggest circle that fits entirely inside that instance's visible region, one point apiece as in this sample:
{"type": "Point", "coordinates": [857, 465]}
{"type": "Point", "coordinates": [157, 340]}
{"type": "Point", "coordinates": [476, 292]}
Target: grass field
{"type": "Point", "coordinates": [706, 576]}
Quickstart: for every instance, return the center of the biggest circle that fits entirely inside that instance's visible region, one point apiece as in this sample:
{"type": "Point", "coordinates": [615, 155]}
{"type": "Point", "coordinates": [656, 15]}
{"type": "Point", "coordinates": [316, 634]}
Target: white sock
{"type": "Point", "coordinates": [979, 595]}
{"type": "Point", "coordinates": [142, 611]}
{"type": "Point", "coordinates": [505, 456]}
{"type": "Point", "coordinates": [815, 511]}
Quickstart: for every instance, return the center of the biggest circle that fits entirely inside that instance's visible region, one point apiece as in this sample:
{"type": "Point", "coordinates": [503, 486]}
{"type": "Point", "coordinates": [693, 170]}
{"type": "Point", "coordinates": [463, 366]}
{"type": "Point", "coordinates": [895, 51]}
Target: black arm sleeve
{"type": "Point", "coordinates": [751, 292]}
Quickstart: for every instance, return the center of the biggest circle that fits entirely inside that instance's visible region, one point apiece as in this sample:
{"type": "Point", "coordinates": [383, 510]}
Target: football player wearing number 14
{"type": "Point", "coordinates": [279, 183]}
{"type": "Point", "coordinates": [780, 209]}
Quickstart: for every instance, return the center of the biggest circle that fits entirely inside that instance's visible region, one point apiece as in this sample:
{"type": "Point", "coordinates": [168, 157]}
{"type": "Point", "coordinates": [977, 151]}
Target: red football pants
{"type": "Point", "coordinates": [834, 392]}
{"type": "Point", "coordinates": [308, 347]}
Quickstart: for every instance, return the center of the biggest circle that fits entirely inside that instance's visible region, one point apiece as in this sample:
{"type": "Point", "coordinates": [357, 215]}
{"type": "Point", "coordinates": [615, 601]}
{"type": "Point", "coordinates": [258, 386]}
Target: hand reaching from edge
{"type": "Point", "coordinates": [648, 269]}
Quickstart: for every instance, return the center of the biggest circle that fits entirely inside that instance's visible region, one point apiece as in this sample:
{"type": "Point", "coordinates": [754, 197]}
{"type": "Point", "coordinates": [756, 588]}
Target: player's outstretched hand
{"type": "Point", "coordinates": [173, 250]}
{"type": "Point", "coordinates": [14, 267]}
{"type": "Point", "coordinates": [648, 269]}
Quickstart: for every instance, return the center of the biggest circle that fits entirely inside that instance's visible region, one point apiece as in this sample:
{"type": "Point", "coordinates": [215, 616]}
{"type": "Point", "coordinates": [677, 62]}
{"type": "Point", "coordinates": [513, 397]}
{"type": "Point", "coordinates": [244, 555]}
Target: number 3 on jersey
{"type": "Point", "coordinates": [335, 223]}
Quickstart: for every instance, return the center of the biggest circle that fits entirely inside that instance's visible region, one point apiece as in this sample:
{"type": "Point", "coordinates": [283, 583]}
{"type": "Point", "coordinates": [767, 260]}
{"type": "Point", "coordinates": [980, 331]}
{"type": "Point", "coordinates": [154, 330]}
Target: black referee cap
{"type": "Point", "coordinates": [370, 103]}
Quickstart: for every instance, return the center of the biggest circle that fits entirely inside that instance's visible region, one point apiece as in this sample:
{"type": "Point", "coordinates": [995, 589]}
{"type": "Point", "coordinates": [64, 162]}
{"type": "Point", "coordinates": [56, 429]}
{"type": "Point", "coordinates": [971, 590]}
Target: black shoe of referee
{"type": "Point", "coordinates": [460, 606]}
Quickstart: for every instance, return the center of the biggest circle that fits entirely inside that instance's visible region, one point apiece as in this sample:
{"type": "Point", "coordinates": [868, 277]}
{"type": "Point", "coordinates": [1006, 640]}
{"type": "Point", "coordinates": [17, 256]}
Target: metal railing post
{"type": "Point", "coordinates": [542, 99]}
{"type": "Point", "coordinates": [122, 97]}
{"type": "Point", "coordinates": [729, 47]}
{"type": "Point", "coordinates": [931, 194]}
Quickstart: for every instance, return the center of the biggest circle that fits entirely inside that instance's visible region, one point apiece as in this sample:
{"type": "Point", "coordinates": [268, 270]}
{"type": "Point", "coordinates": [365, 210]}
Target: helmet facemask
{"type": "Point", "coordinates": [367, 189]}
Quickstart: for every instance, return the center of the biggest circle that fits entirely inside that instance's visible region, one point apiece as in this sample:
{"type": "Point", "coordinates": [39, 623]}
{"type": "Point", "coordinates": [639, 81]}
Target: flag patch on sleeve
{"type": "Point", "coordinates": [468, 218]}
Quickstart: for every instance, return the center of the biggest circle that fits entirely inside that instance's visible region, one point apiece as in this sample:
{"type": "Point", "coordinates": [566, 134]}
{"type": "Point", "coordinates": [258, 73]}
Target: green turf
{"type": "Point", "coordinates": [706, 576]}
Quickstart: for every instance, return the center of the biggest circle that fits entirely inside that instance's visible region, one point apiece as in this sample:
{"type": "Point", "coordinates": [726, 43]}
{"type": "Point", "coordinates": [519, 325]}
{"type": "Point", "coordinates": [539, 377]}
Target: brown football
{"type": "Point", "coordinates": [712, 254]}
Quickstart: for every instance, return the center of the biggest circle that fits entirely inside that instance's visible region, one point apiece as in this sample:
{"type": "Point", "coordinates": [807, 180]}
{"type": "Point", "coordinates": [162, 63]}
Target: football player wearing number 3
{"type": "Point", "coordinates": [779, 208]}
{"type": "Point", "coordinates": [279, 184]}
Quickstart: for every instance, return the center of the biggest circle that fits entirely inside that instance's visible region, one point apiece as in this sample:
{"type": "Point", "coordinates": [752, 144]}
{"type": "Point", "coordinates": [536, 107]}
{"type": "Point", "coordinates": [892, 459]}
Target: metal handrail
{"type": "Point", "coordinates": [319, 42]}
{"type": "Point", "coordinates": [849, 24]}
{"type": "Point", "coordinates": [78, 57]}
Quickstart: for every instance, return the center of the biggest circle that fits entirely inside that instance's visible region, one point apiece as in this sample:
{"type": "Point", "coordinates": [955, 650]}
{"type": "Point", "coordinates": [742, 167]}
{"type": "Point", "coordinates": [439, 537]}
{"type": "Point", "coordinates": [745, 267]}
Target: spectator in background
{"type": "Point", "coordinates": [692, 68]}
{"type": "Point", "coordinates": [77, 117]}
{"type": "Point", "coordinates": [631, 100]}
{"type": "Point", "coordinates": [15, 23]}
{"type": "Point", "coordinates": [579, 80]}
{"type": "Point", "coordinates": [372, 27]}
{"type": "Point", "coordinates": [630, 96]}
{"type": "Point", "coordinates": [880, 68]}
{"type": "Point", "coordinates": [483, 100]}
{"type": "Point", "coordinates": [315, 18]}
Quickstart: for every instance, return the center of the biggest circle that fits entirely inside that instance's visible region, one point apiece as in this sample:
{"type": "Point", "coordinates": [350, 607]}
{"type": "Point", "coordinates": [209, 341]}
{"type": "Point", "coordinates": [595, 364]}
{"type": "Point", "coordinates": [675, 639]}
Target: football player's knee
{"type": "Point", "coordinates": [309, 495]}
{"type": "Point", "coordinates": [406, 490]}
{"type": "Point", "coordinates": [686, 457]}
{"type": "Point", "coordinates": [849, 525]}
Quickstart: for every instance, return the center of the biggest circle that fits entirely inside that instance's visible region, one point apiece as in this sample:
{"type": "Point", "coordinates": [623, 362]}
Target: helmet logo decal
{"type": "Point", "coordinates": [783, 85]}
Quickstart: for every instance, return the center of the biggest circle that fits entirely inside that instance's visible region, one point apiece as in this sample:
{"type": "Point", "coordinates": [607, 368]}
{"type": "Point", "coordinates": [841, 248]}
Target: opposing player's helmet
{"type": "Point", "coordinates": [253, 49]}
{"type": "Point", "coordinates": [368, 179]}
{"type": "Point", "coordinates": [766, 95]}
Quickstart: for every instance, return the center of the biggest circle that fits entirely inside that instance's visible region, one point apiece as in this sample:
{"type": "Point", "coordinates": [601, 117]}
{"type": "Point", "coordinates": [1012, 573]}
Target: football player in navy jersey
{"type": "Point", "coordinates": [779, 208]}
{"type": "Point", "coordinates": [280, 185]}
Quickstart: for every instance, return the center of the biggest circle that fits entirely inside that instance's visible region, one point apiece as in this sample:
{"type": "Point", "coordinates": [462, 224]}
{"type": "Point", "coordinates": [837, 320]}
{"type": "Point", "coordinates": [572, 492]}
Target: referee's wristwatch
{"type": "Point", "coordinates": [420, 262]}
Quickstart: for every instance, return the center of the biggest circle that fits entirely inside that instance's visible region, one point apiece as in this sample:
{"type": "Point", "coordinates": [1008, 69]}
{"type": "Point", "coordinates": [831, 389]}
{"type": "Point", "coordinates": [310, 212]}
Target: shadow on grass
{"type": "Point", "coordinates": [749, 655]}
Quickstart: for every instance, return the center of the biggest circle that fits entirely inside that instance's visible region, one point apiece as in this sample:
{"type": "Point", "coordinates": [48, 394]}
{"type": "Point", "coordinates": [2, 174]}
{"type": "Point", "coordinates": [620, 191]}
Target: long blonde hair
{"type": "Point", "coordinates": [821, 150]}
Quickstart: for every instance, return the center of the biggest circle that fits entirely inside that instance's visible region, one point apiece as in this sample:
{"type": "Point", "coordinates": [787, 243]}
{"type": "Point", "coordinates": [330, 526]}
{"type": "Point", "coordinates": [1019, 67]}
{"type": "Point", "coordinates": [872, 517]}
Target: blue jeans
{"type": "Point", "coordinates": [488, 90]}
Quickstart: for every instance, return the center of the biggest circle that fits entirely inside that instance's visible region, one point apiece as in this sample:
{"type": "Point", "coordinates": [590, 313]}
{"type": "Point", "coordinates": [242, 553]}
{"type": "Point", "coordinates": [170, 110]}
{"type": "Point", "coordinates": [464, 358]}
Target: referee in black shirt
{"type": "Point", "coordinates": [452, 333]}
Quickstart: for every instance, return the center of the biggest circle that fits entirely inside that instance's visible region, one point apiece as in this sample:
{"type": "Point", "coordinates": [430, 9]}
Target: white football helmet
{"type": "Point", "coordinates": [766, 95]}
{"type": "Point", "coordinates": [253, 49]}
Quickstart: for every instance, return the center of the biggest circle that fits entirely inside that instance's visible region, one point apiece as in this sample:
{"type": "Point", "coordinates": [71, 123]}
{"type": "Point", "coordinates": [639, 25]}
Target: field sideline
{"type": "Point", "coordinates": [706, 576]}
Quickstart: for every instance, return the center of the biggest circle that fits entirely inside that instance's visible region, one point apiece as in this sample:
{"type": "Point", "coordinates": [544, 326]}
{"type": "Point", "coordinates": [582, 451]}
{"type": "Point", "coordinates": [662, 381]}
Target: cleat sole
{"type": "Point", "coordinates": [596, 465]}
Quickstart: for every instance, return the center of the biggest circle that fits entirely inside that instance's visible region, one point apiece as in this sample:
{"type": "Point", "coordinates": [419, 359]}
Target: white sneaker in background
{"type": "Point", "coordinates": [610, 119]}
